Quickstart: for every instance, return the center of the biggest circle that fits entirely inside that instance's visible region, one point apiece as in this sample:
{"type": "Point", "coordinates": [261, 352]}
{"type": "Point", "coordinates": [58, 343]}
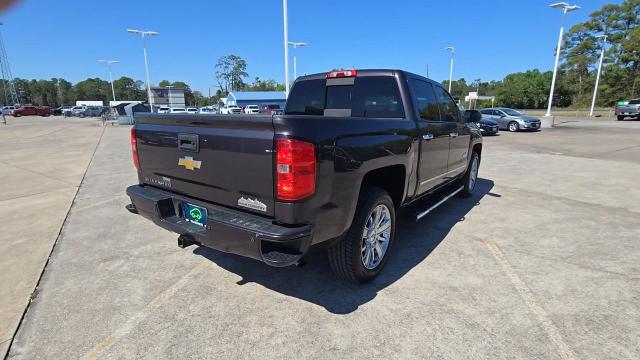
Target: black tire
{"type": "Point", "coordinates": [620, 117]}
{"type": "Point", "coordinates": [513, 128]}
{"type": "Point", "coordinates": [469, 186]}
{"type": "Point", "coordinates": [345, 256]}
{"type": "Point", "coordinates": [82, 115]}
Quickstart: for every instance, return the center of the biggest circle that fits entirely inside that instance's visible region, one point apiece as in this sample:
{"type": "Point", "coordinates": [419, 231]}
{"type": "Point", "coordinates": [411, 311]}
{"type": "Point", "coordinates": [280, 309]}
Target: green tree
{"type": "Point", "coordinates": [128, 89]}
{"type": "Point", "coordinates": [230, 71]}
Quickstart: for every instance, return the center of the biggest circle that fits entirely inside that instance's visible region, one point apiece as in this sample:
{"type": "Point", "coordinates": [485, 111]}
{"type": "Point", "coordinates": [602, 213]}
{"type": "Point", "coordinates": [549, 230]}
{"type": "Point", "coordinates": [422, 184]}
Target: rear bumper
{"type": "Point", "coordinates": [225, 229]}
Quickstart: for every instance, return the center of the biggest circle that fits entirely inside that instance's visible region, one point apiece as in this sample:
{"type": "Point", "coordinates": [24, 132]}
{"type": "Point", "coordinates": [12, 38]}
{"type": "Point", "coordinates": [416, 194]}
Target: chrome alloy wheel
{"type": "Point", "coordinates": [473, 175]}
{"type": "Point", "coordinates": [375, 237]}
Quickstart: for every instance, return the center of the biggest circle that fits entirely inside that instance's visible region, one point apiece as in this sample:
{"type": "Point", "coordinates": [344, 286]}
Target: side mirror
{"type": "Point", "coordinates": [474, 117]}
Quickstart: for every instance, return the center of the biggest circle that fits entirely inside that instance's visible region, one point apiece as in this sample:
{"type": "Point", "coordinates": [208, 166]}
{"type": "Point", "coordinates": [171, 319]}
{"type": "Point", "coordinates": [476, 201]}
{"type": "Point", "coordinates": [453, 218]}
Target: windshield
{"type": "Point", "coordinates": [511, 112]}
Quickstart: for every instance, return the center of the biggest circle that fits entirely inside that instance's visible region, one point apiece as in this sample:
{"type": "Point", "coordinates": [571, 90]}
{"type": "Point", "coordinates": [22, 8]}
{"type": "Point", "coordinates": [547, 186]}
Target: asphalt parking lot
{"type": "Point", "coordinates": [542, 262]}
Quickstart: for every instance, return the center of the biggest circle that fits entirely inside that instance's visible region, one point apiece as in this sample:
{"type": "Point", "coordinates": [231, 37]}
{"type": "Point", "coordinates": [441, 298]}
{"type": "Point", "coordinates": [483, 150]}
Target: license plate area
{"type": "Point", "coordinates": [194, 214]}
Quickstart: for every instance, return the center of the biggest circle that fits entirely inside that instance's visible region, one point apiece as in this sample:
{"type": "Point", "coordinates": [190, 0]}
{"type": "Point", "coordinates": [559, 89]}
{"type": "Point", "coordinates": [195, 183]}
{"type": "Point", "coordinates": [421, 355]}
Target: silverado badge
{"type": "Point", "coordinates": [252, 204]}
{"type": "Point", "coordinates": [189, 163]}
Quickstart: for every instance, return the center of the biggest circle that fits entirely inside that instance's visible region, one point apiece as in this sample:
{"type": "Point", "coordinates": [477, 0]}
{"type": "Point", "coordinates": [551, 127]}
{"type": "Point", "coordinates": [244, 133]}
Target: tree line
{"type": "Point", "coordinates": [56, 91]}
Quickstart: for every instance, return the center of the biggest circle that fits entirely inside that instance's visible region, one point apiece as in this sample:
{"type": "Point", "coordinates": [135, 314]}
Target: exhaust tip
{"type": "Point", "coordinates": [131, 208]}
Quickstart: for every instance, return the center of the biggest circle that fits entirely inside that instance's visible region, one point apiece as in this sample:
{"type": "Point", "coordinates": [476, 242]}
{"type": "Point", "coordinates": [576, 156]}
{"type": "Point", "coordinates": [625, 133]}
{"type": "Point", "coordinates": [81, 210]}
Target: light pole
{"type": "Point", "coordinates": [286, 49]}
{"type": "Point", "coordinates": [109, 62]}
{"type": "Point", "coordinates": [295, 66]}
{"type": "Point", "coordinates": [595, 90]}
{"type": "Point", "coordinates": [169, 92]}
{"type": "Point", "coordinates": [453, 50]}
{"type": "Point", "coordinates": [143, 34]}
{"type": "Point", "coordinates": [565, 9]}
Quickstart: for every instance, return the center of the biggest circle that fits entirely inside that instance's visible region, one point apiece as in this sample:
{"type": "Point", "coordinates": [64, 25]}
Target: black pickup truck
{"type": "Point", "coordinates": [352, 147]}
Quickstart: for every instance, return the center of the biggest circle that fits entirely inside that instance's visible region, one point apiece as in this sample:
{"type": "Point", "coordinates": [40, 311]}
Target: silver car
{"type": "Point", "coordinates": [510, 119]}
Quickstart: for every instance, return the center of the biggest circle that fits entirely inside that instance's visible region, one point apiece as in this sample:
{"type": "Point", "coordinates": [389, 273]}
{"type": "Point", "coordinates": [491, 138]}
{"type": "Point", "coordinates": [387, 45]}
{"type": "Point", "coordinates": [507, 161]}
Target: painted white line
{"type": "Point", "coordinates": [525, 293]}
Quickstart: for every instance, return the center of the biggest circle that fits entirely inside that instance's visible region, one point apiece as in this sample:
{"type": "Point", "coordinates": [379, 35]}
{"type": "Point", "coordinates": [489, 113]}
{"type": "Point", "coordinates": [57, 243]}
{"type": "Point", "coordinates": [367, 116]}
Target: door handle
{"type": "Point", "coordinates": [427, 136]}
{"type": "Point", "coordinates": [453, 134]}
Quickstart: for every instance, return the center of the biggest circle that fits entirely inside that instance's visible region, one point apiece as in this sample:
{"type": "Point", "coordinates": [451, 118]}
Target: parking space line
{"type": "Point", "coordinates": [526, 294]}
{"type": "Point", "coordinates": [136, 319]}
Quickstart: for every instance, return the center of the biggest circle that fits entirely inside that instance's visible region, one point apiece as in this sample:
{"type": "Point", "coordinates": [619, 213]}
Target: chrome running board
{"type": "Point", "coordinates": [422, 214]}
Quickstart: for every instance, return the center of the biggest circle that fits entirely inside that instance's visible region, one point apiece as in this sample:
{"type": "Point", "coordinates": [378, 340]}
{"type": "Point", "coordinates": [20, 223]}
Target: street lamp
{"type": "Point", "coordinates": [453, 50]}
{"type": "Point", "coordinates": [565, 9]}
{"type": "Point", "coordinates": [143, 34]}
{"type": "Point", "coordinates": [595, 90]}
{"type": "Point", "coordinates": [295, 66]}
{"type": "Point", "coordinates": [109, 62]}
{"type": "Point", "coordinates": [286, 49]}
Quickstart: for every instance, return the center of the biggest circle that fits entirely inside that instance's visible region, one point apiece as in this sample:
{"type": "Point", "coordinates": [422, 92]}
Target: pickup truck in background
{"type": "Point", "coordinates": [351, 148]}
{"type": "Point", "coordinates": [632, 109]}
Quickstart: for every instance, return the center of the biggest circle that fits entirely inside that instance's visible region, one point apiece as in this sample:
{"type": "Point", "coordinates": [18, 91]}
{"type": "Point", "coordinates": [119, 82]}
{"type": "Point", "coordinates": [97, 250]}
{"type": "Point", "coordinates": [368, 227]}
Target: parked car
{"type": "Point", "coordinates": [177, 111]}
{"type": "Point", "coordinates": [271, 188]}
{"type": "Point", "coordinates": [27, 110]}
{"type": "Point", "coordinates": [207, 110]}
{"type": "Point", "coordinates": [251, 109]}
{"type": "Point", "coordinates": [7, 109]}
{"type": "Point", "coordinates": [511, 119]}
{"type": "Point", "coordinates": [192, 110]}
{"type": "Point", "coordinates": [631, 109]}
{"type": "Point", "coordinates": [88, 111]}
{"type": "Point", "coordinates": [70, 111]}
{"type": "Point", "coordinates": [66, 110]}
{"type": "Point", "coordinates": [164, 110]}
{"type": "Point", "coordinates": [230, 109]}
{"type": "Point", "coordinates": [56, 111]}
{"type": "Point", "coordinates": [269, 109]}
{"type": "Point", "coordinates": [486, 126]}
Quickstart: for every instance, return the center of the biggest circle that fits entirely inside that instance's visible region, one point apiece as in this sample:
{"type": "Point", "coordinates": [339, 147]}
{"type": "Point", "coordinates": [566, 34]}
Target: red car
{"type": "Point", "coordinates": [270, 109]}
{"type": "Point", "coordinates": [26, 110]}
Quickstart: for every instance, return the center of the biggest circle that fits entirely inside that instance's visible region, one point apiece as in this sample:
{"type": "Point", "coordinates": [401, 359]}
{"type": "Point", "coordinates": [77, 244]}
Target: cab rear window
{"type": "Point", "coordinates": [369, 96]}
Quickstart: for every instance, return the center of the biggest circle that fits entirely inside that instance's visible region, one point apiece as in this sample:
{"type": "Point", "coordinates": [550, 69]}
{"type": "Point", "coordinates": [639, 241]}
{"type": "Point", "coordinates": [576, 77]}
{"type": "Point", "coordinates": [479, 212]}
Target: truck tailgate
{"type": "Point", "coordinates": [223, 159]}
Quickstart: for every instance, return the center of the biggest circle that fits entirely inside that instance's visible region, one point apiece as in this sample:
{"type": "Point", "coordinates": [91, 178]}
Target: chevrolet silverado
{"type": "Point", "coordinates": [352, 147]}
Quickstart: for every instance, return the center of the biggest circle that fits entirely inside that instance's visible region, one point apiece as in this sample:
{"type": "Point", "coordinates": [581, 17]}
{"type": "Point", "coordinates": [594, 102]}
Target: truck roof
{"type": "Point", "coordinates": [367, 72]}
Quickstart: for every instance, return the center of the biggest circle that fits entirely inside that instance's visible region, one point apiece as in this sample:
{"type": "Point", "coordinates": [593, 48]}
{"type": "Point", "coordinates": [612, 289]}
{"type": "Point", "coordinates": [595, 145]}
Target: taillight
{"type": "Point", "coordinates": [134, 148]}
{"type": "Point", "coordinates": [341, 74]}
{"type": "Point", "coordinates": [295, 169]}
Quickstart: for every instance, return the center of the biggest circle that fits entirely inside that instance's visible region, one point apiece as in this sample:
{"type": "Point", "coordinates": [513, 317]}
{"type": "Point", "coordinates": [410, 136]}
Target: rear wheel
{"type": "Point", "coordinates": [471, 176]}
{"type": "Point", "coordinates": [513, 126]}
{"type": "Point", "coordinates": [361, 254]}
{"type": "Point", "coordinates": [620, 117]}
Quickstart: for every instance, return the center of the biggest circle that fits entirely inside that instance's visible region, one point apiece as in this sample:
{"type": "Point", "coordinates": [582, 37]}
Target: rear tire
{"type": "Point", "coordinates": [470, 178]}
{"type": "Point", "coordinates": [513, 126]}
{"type": "Point", "coordinates": [362, 243]}
{"type": "Point", "coordinates": [620, 117]}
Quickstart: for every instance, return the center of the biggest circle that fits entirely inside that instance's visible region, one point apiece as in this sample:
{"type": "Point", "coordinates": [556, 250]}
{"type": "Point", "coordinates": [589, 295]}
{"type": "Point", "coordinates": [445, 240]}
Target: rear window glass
{"type": "Point", "coordinates": [339, 97]}
{"type": "Point", "coordinates": [370, 96]}
{"type": "Point", "coordinates": [307, 98]}
{"type": "Point", "coordinates": [633, 102]}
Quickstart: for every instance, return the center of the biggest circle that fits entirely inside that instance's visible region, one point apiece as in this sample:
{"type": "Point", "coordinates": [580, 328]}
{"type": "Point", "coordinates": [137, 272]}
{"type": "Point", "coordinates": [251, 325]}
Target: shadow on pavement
{"type": "Point", "coordinates": [314, 282]}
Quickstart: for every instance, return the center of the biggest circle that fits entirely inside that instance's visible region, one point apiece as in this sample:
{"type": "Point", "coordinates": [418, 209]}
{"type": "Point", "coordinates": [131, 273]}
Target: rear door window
{"type": "Point", "coordinates": [448, 107]}
{"type": "Point", "coordinates": [425, 100]}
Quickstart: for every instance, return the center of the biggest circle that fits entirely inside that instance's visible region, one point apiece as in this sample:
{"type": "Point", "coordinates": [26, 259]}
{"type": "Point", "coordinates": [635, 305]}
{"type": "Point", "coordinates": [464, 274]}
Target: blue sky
{"type": "Point", "coordinates": [55, 38]}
